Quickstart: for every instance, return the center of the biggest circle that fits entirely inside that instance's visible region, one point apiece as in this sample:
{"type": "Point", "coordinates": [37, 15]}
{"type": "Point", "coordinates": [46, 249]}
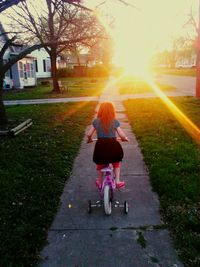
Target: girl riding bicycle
{"type": "Point", "coordinates": [107, 148]}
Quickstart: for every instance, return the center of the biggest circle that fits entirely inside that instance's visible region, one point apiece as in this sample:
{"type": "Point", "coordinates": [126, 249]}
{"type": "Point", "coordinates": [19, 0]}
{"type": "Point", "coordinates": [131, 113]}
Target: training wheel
{"type": "Point", "coordinates": [125, 207]}
{"type": "Point", "coordinates": [89, 209]}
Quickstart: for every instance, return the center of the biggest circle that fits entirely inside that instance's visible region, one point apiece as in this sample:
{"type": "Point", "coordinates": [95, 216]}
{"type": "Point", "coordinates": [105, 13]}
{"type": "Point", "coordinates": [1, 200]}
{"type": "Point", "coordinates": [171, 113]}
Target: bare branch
{"type": "Point", "coordinates": [13, 60]}
{"type": "Point", "coordinates": [6, 33]}
{"type": "Point", "coordinates": [78, 5]}
{"type": "Point", "coordinates": [101, 4]}
{"type": "Point", "coordinates": [7, 44]}
{"type": "Point", "coordinates": [127, 4]}
{"type": "Point", "coordinates": [191, 21]}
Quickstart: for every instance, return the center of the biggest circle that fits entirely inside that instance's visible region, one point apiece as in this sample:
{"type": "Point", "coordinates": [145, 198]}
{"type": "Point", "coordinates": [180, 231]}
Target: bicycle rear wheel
{"type": "Point", "coordinates": [107, 200]}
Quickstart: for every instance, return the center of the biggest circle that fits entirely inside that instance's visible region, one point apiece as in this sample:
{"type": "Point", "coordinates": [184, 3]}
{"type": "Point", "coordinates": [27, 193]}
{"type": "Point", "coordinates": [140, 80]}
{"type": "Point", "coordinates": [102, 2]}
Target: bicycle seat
{"type": "Point", "coordinates": [107, 169]}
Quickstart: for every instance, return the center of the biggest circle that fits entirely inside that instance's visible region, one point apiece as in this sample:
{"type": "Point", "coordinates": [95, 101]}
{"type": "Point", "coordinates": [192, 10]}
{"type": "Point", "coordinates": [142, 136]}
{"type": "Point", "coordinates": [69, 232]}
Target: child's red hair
{"type": "Point", "coordinates": [106, 114]}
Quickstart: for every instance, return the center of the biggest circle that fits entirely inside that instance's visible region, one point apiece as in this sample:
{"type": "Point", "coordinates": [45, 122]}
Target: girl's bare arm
{"type": "Point", "coordinates": [121, 134]}
{"type": "Point", "coordinates": [90, 133]}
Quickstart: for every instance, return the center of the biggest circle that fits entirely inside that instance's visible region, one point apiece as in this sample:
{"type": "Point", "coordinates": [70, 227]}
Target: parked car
{"type": "Point", "coordinates": [188, 66]}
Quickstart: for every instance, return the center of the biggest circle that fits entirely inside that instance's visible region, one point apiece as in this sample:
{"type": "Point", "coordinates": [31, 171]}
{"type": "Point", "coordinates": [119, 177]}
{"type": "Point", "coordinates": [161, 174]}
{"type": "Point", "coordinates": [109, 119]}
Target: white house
{"type": "Point", "coordinates": [22, 73]}
{"type": "Point", "coordinates": [42, 63]}
{"type": "Point", "coordinates": [36, 65]}
{"type": "Point", "coordinates": [71, 61]}
{"type": "Point", "coordinates": [187, 61]}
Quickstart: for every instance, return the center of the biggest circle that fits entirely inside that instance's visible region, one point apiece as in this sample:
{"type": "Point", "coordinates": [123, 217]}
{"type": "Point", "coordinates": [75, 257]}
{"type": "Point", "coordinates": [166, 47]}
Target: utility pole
{"type": "Point", "coordinates": [198, 60]}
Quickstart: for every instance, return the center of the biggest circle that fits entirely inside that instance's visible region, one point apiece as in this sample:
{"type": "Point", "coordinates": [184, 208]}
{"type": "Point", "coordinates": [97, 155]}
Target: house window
{"type": "Point", "coordinates": [11, 76]}
{"type": "Point", "coordinates": [28, 70]}
{"type": "Point", "coordinates": [21, 73]}
{"type": "Point", "coordinates": [32, 73]}
{"type": "Point", "coordinates": [44, 65]}
{"type": "Point", "coordinates": [36, 65]}
{"type": "Point", "coordinates": [48, 65]}
{"type": "Point", "coordinates": [25, 72]}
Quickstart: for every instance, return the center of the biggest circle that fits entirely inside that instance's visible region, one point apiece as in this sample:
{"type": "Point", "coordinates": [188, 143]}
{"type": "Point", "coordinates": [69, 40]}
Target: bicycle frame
{"type": "Point", "coordinates": [108, 179]}
{"type": "Point", "coordinates": [107, 193]}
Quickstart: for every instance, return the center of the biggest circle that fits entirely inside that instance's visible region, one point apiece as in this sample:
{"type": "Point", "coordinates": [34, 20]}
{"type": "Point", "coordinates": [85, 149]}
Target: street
{"type": "Point", "coordinates": [184, 84]}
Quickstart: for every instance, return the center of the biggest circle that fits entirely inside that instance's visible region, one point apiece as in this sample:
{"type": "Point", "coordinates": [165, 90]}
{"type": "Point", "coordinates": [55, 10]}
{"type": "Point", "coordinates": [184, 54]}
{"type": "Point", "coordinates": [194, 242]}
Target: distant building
{"type": "Point", "coordinates": [187, 61]}
{"type": "Point", "coordinates": [71, 61]}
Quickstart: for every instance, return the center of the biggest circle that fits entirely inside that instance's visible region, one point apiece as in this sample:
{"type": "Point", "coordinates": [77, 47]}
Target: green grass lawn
{"type": "Point", "coordinates": [173, 159]}
{"type": "Point", "coordinates": [33, 169]}
{"type": "Point", "coordinates": [180, 72]}
{"type": "Point", "coordinates": [132, 85]}
{"type": "Point", "coordinates": [78, 87]}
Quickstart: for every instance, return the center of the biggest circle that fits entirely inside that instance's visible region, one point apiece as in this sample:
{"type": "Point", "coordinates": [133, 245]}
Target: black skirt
{"type": "Point", "coordinates": [107, 150]}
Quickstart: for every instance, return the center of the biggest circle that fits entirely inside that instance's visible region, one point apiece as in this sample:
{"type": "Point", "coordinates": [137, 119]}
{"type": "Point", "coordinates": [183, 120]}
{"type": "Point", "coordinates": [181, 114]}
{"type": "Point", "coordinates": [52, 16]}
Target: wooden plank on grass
{"type": "Point", "coordinates": [21, 127]}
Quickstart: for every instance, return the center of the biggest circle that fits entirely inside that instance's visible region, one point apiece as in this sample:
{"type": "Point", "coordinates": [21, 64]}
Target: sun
{"type": "Point", "coordinates": [139, 33]}
{"type": "Point", "coordinates": [131, 58]}
{"type": "Point", "coordinates": [133, 66]}
{"type": "Point", "coordinates": [132, 51]}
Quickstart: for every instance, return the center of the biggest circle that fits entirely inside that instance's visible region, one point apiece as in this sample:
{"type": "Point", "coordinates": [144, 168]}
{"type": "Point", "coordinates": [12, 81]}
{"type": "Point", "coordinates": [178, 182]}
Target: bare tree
{"type": "Point", "coordinates": [102, 52]}
{"type": "Point", "coordinates": [60, 24]}
{"type": "Point", "coordinates": [51, 29]}
{"type": "Point", "coordinates": [196, 38]}
{"type": "Point", "coordinates": [59, 27]}
{"type": "Point", "coordinates": [5, 66]}
{"type": "Point", "coordinates": [198, 60]}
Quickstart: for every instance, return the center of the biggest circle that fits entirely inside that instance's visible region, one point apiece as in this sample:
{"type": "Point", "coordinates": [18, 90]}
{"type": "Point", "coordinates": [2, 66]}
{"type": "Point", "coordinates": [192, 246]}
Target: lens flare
{"type": "Point", "coordinates": [133, 53]}
{"type": "Point", "coordinates": [189, 126]}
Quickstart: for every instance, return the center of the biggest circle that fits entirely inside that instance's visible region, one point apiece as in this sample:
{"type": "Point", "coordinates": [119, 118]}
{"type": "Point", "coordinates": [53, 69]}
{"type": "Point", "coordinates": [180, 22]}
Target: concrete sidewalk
{"type": "Point", "coordinates": [49, 100]}
{"type": "Point", "coordinates": [185, 86]}
{"type": "Point", "coordinates": [138, 239]}
{"type": "Point", "coordinates": [88, 98]}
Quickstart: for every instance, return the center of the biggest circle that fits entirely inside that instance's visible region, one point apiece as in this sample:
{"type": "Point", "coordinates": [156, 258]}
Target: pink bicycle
{"type": "Point", "coordinates": [107, 193]}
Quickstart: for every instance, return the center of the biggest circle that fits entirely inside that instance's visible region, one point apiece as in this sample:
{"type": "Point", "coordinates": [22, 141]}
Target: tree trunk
{"type": "Point", "coordinates": [198, 61]}
{"type": "Point", "coordinates": [3, 117]}
{"type": "Point", "coordinates": [54, 72]}
{"type": "Point", "coordinates": [198, 76]}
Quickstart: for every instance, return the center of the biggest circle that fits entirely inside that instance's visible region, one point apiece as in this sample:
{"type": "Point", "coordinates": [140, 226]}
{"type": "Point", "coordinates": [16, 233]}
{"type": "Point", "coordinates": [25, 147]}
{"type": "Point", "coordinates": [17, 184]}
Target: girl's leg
{"type": "Point", "coordinates": [116, 169]}
{"type": "Point", "coordinates": [100, 175]}
{"type": "Point", "coordinates": [117, 174]}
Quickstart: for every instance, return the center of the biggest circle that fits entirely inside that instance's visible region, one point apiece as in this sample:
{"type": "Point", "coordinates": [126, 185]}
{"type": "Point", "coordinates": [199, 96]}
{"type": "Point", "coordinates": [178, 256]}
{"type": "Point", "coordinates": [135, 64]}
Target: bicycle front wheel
{"type": "Point", "coordinates": [107, 200]}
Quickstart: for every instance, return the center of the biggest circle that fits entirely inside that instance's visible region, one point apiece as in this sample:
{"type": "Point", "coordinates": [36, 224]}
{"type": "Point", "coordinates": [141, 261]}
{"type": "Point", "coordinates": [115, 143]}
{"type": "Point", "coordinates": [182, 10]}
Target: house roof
{"type": "Point", "coordinates": [14, 49]}
{"type": "Point", "coordinates": [4, 4]}
{"type": "Point", "coordinates": [5, 37]}
{"type": "Point", "coordinates": [27, 56]}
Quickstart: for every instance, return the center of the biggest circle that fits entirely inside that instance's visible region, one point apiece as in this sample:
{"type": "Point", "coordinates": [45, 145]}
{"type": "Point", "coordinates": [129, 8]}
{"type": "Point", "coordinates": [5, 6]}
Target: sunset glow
{"type": "Point", "coordinates": [137, 35]}
{"type": "Point", "coordinates": [141, 31]}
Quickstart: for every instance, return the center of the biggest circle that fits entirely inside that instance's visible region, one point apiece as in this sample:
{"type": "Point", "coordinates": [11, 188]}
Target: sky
{"type": "Point", "coordinates": [141, 31]}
